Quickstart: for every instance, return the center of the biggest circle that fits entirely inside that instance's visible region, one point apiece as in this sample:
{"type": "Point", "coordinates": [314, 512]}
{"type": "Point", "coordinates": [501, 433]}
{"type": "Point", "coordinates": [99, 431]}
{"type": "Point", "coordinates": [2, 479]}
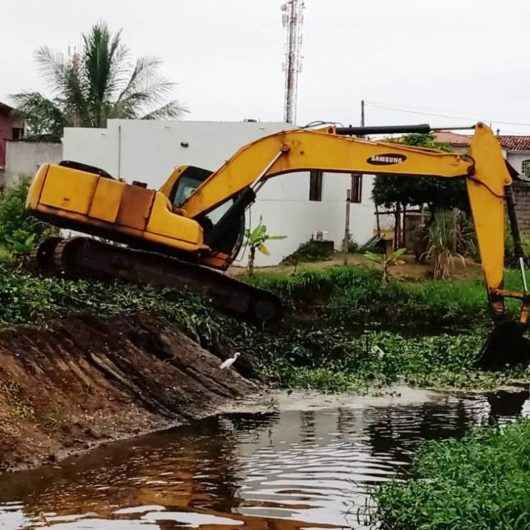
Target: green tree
{"type": "Point", "coordinates": [416, 191]}
{"type": "Point", "coordinates": [96, 84]}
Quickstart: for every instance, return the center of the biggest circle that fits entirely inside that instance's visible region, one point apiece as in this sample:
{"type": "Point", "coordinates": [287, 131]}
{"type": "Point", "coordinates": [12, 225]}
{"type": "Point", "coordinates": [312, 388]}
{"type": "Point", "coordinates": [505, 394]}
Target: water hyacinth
{"type": "Point", "coordinates": [479, 482]}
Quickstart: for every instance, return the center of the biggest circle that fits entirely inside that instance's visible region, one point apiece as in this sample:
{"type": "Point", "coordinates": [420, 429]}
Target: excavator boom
{"type": "Point", "coordinates": [303, 150]}
{"type": "Point", "coordinates": [485, 171]}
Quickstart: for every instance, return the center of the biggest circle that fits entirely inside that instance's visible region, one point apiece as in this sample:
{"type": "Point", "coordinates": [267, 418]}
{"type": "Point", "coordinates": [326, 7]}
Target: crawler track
{"type": "Point", "coordinates": [87, 257]}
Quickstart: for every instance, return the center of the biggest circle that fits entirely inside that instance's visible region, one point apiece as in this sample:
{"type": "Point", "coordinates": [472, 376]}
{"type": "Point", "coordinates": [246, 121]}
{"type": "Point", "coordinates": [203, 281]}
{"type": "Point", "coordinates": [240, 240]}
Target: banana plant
{"type": "Point", "coordinates": [386, 260]}
{"type": "Point", "coordinates": [256, 239]}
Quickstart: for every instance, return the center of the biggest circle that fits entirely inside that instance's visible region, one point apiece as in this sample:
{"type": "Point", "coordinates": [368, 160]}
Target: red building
{"type": "Point", "coordinates": [11, 128]}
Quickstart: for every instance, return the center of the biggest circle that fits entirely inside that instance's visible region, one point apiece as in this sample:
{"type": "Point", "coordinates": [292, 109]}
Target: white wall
{"type": "Point", "coordinates": [24, 158]}
{"type": "Point", "coordinates": [148, 151]}
{"type": "Point", "coordinates": [97, 147]}
{"type": "Point", "coordinates": [515, 158]}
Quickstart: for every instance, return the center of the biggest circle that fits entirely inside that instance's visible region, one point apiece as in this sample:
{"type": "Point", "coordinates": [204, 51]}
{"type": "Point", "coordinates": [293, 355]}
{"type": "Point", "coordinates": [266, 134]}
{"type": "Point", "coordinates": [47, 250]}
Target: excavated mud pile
{"type": "Point", "coordinates": [84, 381]}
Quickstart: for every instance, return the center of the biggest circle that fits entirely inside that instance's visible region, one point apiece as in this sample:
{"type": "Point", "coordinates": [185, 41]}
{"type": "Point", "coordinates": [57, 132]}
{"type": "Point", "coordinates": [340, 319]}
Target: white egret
{"type": "Point", "coordinates": [230, 361]}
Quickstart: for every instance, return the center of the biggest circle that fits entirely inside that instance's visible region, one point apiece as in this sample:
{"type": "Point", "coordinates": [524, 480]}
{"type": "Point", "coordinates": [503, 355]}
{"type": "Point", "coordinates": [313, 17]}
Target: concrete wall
{"type": "Point", "coordinates": [24, 158]}
{"type": "Point", "coordinates": [149, 150]}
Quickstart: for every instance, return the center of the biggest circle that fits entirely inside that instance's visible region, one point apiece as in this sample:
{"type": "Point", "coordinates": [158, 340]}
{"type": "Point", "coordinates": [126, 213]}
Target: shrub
{"type": "Point", "coordinates": [311, 250]}
{"type": "Point", "coordinates": [19, 232]}
{"type": "Point", "coordinates": [442, 246]}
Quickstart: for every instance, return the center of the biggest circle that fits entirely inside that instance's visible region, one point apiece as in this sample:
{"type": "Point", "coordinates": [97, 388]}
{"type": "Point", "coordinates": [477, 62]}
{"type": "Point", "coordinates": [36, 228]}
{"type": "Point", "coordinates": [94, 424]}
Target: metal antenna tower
{"type": "Point", "coordinates": [292, 19]}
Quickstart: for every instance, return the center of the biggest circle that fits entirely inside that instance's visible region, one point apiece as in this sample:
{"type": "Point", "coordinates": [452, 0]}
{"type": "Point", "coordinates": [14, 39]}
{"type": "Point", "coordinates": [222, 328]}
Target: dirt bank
{"type": "Point", "coordinates": [84, 381]}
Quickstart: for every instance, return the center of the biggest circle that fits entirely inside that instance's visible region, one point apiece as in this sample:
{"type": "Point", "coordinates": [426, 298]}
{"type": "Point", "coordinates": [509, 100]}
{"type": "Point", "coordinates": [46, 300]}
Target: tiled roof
{"type": "Point", "coordinates": [508, 142]}
{"type": "Point", "coordinates": [515, 143]}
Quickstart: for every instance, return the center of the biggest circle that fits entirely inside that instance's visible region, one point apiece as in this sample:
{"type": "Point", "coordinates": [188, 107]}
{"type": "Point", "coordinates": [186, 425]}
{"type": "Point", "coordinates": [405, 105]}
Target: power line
{"type": "Point", "coordinates": [409, 110]}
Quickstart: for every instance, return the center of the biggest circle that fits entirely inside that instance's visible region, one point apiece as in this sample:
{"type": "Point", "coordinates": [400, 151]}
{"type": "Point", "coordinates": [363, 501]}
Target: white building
{"type": "Point", "coordinates": [147, 151]}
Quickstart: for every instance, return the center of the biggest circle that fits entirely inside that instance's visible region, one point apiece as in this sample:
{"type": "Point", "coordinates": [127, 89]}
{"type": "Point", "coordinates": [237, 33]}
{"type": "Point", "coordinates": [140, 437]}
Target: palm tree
{"type": "Point", "coordinates": [94, 85]}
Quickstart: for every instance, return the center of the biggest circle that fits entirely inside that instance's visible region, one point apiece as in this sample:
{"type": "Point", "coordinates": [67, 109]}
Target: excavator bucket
{"type": "Point", "coordinates": [505, 346]}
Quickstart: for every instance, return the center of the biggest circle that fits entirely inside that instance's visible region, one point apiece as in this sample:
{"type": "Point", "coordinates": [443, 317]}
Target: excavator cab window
{"type": "Point", "coordinates": [188, 182]}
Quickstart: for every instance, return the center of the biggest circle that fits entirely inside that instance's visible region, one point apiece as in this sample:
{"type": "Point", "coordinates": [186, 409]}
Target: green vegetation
{"type": "Point", "coordinates": [332, 360]}
{"type": "Point", "coordinates": [29, 299]}
{"type": "Point", "coordinates": [442, 244]}
{"type": "Point", "coordinates": [354, 333]}
{"type": "Point", "coordinates": [309, 251]}
{"type": "Point", "coordinates": [19, 232]}
{"type": "Point", "coordinates": [479, 482]}
{"type": "Point", "coordinates": [386, 261]}
{"type": "Point", "coordinates": [356, 295]}
{"type": "Point", "coordinates": [330, 351]}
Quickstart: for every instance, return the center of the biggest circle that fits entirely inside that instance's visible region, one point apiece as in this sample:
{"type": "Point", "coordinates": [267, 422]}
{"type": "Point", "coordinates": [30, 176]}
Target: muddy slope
{"type": "Point", "coordinates": [84, 381]}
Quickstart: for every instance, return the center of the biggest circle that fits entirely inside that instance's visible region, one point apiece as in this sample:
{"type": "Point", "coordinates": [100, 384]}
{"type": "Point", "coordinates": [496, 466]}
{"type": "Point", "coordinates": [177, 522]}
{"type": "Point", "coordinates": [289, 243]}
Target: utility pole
{"type": "Point", "coordinates": [292, 19]}
{"type": "Point", "coordinates": [362, 113]}
{"type": "Point", "coordinates": [347, 235]}
{"type": "Point", "coordinates": [350, 198]}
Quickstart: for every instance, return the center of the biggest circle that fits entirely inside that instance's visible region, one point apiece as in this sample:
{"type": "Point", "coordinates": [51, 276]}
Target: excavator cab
{"type": "Point", "coordinates": [182, 184]}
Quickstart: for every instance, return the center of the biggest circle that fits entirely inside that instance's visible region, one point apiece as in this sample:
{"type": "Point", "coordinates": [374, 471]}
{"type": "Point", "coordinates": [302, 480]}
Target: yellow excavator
{"type": "Point", "coordinates": [179, 235]}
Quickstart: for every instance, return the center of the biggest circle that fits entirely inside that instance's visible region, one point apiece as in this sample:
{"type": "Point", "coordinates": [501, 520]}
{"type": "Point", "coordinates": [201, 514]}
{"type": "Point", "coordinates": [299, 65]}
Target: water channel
{"type": "Point", "coordinates": [301, 466]}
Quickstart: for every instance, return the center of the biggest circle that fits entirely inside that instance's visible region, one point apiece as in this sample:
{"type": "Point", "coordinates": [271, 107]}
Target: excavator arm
{"type": "Point", "coordinates": [303, 150]}
{"type": "Point", "coordinates": [484, 169]}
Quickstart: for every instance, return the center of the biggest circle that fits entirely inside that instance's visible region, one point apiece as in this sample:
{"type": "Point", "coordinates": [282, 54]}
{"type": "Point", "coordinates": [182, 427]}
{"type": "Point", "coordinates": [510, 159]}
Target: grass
{"type": "Point", "coordinates": [479, 482]}
{"type": "Point", "coordinates": [356, 294]}
{"type": "Point", "coordinates": [359, 334]}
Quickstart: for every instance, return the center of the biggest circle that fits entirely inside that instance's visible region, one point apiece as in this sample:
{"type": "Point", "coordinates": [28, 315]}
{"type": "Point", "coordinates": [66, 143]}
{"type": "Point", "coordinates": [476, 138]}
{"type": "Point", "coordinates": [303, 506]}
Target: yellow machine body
{"type": "Point", "coordinates": [111, 208]}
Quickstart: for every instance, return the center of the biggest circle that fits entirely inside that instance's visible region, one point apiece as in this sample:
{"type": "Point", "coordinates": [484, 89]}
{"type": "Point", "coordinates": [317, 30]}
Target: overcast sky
{"type": "Point", "coordinates": [467, 58]}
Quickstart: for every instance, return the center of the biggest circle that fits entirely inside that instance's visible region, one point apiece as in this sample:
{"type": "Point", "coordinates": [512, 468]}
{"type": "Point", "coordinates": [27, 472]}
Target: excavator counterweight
{"type": "Point", "coordinates": [194, 224]}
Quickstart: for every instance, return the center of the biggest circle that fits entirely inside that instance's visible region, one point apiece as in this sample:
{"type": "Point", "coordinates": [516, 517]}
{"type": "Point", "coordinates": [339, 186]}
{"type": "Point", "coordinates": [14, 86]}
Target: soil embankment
{"type": "Point", "coordinates": [83, 381]}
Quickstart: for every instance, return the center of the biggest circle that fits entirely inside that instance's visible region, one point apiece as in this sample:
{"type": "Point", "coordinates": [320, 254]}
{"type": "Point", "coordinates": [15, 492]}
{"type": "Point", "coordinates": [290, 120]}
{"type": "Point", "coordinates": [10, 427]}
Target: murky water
{"type": "Point", "coordinates": [279, 470]}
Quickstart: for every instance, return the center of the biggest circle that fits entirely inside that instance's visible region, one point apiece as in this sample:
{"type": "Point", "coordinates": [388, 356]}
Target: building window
{"type": "Point", "coordinates": [356, 194]}
{"type": "Point", "coordinates": [18, 133]}
{"type": "Point", "coordinates": [525, 167]}
{"type": "Point", "coordinates": [315, 185]}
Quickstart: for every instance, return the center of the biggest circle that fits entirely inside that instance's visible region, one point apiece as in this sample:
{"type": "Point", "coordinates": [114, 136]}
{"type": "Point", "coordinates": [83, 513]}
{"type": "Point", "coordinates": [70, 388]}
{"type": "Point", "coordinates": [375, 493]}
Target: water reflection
{"type": "Point", "coordinates": [284, 470]}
